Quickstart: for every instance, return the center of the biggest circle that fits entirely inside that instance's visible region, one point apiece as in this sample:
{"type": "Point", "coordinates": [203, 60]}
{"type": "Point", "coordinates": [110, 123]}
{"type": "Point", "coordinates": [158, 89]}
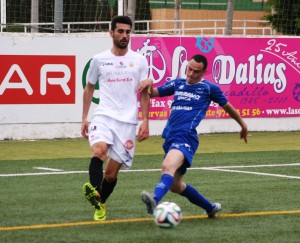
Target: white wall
{"type": "Point", "coordinates": [72, 130]}
{"type": "Point", "coordinates": [44, 121]}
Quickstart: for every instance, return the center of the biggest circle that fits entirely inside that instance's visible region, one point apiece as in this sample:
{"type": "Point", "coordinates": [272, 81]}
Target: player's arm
{"type": "Point", "coordinates": [154, 92]}
{"type": "Point", "coordinates": [87, 99]}
{"type": "Point", "coordinates": [143, 132]}
{"type": "Point", "coordinates": [145, 84]}
{"type": "Point", "coordinates": [236, 116]}
{"type": "Point", "coordinates": [148, 85]}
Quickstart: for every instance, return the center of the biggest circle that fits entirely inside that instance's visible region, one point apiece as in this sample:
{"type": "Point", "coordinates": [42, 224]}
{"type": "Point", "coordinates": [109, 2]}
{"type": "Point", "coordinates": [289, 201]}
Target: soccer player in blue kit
{"type": "Point", "coordinates": [192, 97]}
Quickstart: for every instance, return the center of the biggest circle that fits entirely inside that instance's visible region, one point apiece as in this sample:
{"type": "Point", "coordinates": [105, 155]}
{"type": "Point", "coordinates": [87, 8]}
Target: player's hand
{"type": "Point", "coordinates": [143, 132]}
{"type": "Point", "coordinates": [244, 133]}
{"type": "Point", "coordinates": [145, 84]}
{"type": "Point", "coordinates": [85, 129]}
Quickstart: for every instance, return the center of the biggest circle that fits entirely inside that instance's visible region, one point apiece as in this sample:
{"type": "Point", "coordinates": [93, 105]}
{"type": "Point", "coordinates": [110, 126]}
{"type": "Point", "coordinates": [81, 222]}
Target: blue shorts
{"type": "Point", "coordinates": [187, 143]}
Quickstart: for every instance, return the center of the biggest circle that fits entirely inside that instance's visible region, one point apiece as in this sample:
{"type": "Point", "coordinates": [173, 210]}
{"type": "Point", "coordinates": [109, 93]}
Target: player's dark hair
{"type": "Point", "coordinates": [200, 58]}
{"type": "Point", "coordinates": [121, 19]}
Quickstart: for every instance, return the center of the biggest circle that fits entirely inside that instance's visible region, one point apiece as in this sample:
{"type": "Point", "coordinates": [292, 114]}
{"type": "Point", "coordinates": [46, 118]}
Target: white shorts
{"type": "Point", "coordinates": [119, 135]}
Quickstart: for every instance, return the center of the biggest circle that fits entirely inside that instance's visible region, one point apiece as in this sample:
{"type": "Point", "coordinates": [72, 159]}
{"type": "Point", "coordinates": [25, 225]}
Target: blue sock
{"type": "Point", "coordinates": [162, 187]}
{"type": "Point", "coordinates": [196, 198]}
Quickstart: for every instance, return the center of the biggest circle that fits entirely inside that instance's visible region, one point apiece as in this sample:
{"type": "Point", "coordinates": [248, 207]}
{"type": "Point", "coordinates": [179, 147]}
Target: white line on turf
{"type": "Point", "coordinates": [45, 173]}
{"type": "Point", "coordinates": [255, 173]}
{"type": "Point", "coordinates": [44, 168]}
{"type": "Point", "coordinates": [220, 168]}
{"type": "Point", "coordinates": [252, 166]}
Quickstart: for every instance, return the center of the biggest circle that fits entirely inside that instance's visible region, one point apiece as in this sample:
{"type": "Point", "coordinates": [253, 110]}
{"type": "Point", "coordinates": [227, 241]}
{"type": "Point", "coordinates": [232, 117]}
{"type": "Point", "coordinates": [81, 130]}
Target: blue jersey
{"type": "Point", "coordinates": [191, 102]}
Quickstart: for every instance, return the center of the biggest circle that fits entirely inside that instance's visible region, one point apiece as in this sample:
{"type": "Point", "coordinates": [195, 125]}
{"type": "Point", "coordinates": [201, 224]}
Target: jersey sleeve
{"type": "Point", "coordinates": [217, 96]}
{"type": "Point", "coordinates": [93, 72]}
{"type": "Point", "coordinates": [144, 69]}
{"type": "Point", "coordinates": [166, 89]}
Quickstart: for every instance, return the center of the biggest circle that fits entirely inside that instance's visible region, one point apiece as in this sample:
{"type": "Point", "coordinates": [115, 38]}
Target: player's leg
{"type": "Point", "coordinates": [99, 151]}
{"type": "Point", "coordinates": [196, 198]}
{"type": "Point", "coordinates": [178, 185]}
{"type": "Point", "coordinates": [107, 187]}
{"type": "Point", "coordinates": [173, 160]}
{"type": "Point", "coordinates": [186, 190]}
{"type": "Point", "coordinates": [91, 190]}
{"type": "Point", "coordinates": [120, 153]}
{"type": "Point", "coordinates": [100, 139]}
{"type": "Point", "coordinates": [110, 180]}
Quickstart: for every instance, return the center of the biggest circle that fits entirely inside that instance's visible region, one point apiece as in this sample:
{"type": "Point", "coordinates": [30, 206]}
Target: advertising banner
{"type": "Point", "coordinates": [259, 76]}
{"type": "Point", "coordinates": [41, 76]}
{"type": "Point", "coordinates": [37, 79]}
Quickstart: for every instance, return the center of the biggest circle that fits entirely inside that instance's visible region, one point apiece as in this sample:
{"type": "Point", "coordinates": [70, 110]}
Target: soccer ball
{"type": "Point", "coordinates": [167, 215]}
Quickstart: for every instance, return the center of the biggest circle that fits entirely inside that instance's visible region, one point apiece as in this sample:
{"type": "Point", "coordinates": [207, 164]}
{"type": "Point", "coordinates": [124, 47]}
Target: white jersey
{"type": "Point", "coordinates": [118, 77]}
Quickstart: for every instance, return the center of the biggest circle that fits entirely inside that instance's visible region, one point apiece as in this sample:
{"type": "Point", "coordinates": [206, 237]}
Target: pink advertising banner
{"type": "Point", "coordinates": [259, 76]}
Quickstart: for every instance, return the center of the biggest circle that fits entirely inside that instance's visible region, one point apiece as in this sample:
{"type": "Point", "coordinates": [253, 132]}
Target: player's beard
{"type": "Point", "coordinates": [122, 44]}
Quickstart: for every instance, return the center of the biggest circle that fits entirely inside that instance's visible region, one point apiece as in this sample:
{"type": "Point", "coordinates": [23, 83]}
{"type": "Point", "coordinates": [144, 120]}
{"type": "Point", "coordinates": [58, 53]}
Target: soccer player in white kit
{"type": "Point", "coordinates": [112, 132]}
